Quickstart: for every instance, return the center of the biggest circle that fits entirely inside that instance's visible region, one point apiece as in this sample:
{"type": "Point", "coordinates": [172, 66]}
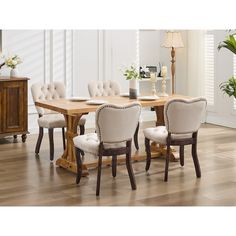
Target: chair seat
{"type": "Point", "coordinates": [159, 134]}
{"type": "Point", "coordinates": [55, 121]}
{"type": "Point", "coordinates": [89, 143]}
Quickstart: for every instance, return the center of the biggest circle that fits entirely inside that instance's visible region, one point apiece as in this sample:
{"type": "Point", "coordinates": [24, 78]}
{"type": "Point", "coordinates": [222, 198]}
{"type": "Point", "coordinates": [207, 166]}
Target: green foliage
{"type": "Point", "coordinates": [229, 87]}
{"type": "Point", "coordinates": [131, 73]}
{"type": "Point", "coordinates": [229, 43]}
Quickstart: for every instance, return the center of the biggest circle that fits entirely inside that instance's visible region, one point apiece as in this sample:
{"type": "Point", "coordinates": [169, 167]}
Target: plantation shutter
{"type": "Point", "coordinates": [209, 69]}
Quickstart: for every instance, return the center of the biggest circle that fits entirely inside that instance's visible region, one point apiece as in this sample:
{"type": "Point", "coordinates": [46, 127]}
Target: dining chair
{"type": "Point", "coordinates": [98, 88]}
{"type": "Point", "coordinates": [110, 139]}
{"type": "Point", "coordinates": [47, 118]}
{"type": "Point", "coordinates": [182, 121]}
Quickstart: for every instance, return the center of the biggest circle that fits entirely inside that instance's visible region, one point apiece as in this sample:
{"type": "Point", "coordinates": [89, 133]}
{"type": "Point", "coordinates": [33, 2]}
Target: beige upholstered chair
{"type": "Point", "coordinates": [182, 121]}
{"type": "Point", "coordinates": [110, 139]}
{"type": "Point", "coordinates": [99, 88]}
{"type": "Point", "coordinates": [47, 118]}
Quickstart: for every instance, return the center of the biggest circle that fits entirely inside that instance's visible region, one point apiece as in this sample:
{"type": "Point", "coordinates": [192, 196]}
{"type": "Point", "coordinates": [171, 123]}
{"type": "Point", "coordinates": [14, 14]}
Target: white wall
{"type": "Point", "coordinates": [74, 57]}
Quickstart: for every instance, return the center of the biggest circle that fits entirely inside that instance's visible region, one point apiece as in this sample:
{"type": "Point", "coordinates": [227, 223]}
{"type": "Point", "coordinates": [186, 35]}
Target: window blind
{"type": "Point", "coordinates": [209, 68]}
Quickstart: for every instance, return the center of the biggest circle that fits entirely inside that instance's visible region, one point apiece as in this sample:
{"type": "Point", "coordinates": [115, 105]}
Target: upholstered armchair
{"type": "Point", "coordinates": [110, 139]}
{"type": "Point", "coordinates": [99, 88]}
{"type": "Point", "coordinates": [49, 119]}
{"type": "Point", "coordinates": [182, 121]}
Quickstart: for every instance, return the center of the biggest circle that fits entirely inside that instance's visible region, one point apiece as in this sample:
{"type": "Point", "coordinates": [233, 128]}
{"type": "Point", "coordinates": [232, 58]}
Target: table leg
{"type": "Point", "coordinates": [160, 149]}
{"type": "Point", "coordinates": [68, 159]}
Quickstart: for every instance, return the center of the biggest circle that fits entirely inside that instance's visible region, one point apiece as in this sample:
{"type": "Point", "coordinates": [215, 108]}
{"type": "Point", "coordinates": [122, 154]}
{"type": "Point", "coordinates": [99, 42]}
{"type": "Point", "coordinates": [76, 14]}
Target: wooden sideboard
{"type": "Point", "coordinates": [14, 107]}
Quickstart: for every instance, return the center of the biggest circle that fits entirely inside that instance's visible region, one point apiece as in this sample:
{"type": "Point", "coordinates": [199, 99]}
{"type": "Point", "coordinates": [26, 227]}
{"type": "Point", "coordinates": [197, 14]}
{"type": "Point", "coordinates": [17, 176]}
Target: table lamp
{"type": "Point", "coordinates": [173, 40]}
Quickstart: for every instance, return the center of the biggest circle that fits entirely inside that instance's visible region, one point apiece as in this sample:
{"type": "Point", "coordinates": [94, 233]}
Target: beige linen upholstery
{"type": "Point", "coordinates": [159, 134]}
{"type": "Point", "coordinates": [125, 119]}
{"type": "Point", "coordinates": [44, 92]}
{"type": "Point", "coordinates": [184, 116]}
{"type": "Point", "coordinates": [103, 88]}
{"type": "Point", "coordinates": [54, 121]}
{"type": "Point", "coordinates": [89, 143]}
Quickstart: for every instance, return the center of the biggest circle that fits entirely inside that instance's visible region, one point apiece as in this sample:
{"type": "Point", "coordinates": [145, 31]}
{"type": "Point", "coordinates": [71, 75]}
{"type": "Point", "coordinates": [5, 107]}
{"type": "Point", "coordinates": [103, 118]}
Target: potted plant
{"type": "Point", "coordinates": [229, 86]}
{"type": "Point", "coordinates": [133, 76]}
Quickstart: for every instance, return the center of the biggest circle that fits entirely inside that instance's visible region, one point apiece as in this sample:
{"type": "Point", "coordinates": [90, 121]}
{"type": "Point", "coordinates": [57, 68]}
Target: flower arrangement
{"type": "Point", "coordinates": [131, 73]}
{"type": "Point", "coordinates": [13, 61]}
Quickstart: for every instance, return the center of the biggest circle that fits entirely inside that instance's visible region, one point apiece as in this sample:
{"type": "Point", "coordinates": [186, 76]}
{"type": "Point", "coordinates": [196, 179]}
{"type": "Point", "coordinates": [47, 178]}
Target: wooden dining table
{"type": "Point", "coordinates": [73, 111]}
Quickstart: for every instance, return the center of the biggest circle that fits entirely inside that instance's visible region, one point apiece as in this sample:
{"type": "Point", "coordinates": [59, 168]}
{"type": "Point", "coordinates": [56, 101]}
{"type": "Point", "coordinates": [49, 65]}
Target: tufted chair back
{"type": "Point", "coordinates": [116, 124]}
{"type": "Point", "coordinates": [103, 88]}
{"type": "Point", "coordinates": [44, 92]}
{"type": "Point", "coordinates": [184, 115]}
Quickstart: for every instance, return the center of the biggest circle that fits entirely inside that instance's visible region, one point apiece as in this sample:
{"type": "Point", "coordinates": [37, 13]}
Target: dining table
{"type": "Point", "coordinates": [73, 110]}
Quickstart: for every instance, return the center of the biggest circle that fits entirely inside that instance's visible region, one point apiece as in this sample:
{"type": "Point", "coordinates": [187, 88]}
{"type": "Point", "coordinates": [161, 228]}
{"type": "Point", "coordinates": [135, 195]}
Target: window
{"type": "Point", "coordinates": [209, 68]}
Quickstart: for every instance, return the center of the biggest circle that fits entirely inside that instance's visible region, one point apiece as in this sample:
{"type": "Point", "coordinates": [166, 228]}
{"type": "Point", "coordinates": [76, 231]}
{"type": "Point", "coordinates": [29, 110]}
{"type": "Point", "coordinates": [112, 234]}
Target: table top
{"type": "Point", "coordinates": [65, 106]}
{"type": "Point", "coordinates": [8, 78]}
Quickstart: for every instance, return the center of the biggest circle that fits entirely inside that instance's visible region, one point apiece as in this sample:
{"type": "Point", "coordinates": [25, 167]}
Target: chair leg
{"type": "Point", "coordinates": [51, 143]}
{"type": "Point", "coordinates": [181, 155]}
{"type": "Point", "coordinates": [114, 164]}
{"type": "Point", "coordinates": [79, 165]}
{"type": "Point", "coordinates": [129, 166]}
{"type": "Point", "coordinates": [39, 141]}
{"type": "Point", "coordinates": [195, 161]}
{"type": "Point", "coordinates": [148, 152]}
{"type": "Point", "coordinates": [63, 138]}
{"type": "Point", "coordinates": [82, 129]}
{"type": "Point", "coordinates": [99, 174]}
{"type": "Point", "coordinates": [136, 137]}
{"type": "Point", "coordinates": [167, 162]}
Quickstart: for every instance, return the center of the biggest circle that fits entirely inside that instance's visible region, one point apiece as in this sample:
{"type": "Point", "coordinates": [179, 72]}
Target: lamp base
{"type": "Point", "coordinates": [164, 95]}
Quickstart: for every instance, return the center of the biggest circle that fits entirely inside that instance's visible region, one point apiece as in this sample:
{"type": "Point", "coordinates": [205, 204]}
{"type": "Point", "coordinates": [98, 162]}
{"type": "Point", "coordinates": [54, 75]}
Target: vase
{"type": "Point", "coordinates": [133, 89]}
{"type": "Point", "coordinates": [14, 72]}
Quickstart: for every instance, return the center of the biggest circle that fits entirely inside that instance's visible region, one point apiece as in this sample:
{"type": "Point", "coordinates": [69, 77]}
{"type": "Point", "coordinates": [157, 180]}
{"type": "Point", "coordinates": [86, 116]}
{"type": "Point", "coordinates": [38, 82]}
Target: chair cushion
{"type": "Point", "coordinates": [55, 121]}
{"type": "Point", "coordinates": [159, 134]}
{"type": "Point", "coordinates": [89, 143]}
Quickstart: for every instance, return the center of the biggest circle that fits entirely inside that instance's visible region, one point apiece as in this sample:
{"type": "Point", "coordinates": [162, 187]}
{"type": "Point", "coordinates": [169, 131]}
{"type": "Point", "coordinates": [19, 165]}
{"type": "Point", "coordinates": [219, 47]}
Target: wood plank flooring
{"type": "Point", "coordinates": [29, 180]}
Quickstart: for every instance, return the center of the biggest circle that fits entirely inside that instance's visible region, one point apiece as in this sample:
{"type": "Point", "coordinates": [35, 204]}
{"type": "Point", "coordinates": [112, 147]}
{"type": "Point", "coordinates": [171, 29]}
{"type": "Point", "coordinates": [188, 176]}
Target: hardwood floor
{"type": "Point", "coordinates": [29, 180]}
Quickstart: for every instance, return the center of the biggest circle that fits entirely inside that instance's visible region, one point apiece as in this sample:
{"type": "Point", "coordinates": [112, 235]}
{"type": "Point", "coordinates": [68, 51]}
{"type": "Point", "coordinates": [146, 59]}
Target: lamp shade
{"type": "Point", "coordinates": [173, 39]}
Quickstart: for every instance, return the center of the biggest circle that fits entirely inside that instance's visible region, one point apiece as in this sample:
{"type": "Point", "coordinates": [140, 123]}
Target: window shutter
{"type": "Point", "coordinates": [209, 68]}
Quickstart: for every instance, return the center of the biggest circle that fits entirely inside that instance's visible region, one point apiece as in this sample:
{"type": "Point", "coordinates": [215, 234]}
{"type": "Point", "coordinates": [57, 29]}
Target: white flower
{"type": "Point", "coordinates": [14, 62]}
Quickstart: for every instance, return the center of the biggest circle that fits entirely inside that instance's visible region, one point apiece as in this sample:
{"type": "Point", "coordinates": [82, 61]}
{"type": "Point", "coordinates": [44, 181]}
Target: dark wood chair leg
{"type": "Point", "coordinates": [129, 166]}
{"type": "Point", "coordinates": [99, 174]}
{"type": "Point", "coordinates": [51, 143]}
{"type": "Point", "coordinates": [148, 152]}
{"type": "Point", "coordinates": [181, 155]}
{"type": "Point", "coordinates": [195, 157]}
{"type": "Point", "coordinates": [23, 137]}
{"type": "Point", "coordinates": [79, 165]}
{"type": "Point", "coordinates": [136, 137]}
{"type": "Point", "coordinates": [114, 164]}
{"type": "Point", "coordinates": [167, 162]}
{"type": "Point", "coordinates": [82, 129]}
{"type": "Point", "coordinates": [39, 141]}
{"type": "Point", "coordinates": [63, 138]}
